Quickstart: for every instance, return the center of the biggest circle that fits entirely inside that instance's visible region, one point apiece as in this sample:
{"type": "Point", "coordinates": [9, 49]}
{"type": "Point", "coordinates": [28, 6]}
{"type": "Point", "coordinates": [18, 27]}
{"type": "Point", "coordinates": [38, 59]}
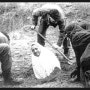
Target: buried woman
{"type": "Point", "coordinates": [46, 65]}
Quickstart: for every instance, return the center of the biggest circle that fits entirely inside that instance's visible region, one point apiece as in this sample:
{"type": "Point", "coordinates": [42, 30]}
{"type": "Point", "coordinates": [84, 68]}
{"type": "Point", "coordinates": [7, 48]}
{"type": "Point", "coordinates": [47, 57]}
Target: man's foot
{"type": "Point", "coordinates": [72, 80]}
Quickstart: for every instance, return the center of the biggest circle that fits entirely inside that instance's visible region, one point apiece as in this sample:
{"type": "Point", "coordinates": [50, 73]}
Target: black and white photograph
{"type": "Point", "coordinates": [44, 44]}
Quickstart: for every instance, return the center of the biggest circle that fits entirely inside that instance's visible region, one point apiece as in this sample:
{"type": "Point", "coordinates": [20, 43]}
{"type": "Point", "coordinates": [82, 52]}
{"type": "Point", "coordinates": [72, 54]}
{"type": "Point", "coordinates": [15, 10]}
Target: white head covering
{"type": "Point", "coordinates": [45, 63]}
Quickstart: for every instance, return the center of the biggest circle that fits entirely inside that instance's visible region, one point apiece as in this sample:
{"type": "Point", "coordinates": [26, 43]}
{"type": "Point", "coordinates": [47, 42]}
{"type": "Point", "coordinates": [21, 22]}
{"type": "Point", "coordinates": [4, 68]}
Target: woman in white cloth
{"type": "Point", "coordinates": [45, 64]}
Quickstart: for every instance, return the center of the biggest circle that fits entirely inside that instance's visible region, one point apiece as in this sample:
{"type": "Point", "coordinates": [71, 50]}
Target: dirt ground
{"type": "Point", "coordinates": [21, 56]}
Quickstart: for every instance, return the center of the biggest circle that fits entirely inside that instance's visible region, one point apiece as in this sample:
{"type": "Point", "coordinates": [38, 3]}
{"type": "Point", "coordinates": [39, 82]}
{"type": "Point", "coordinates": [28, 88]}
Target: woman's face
{"type": "Point", "coordinates": [35, 49]}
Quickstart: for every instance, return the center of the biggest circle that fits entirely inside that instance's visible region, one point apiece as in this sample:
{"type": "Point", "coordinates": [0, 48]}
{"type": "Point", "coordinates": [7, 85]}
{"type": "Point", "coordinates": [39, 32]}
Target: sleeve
{"type": "Point", "coordinates": [54, 13]}
{"type": "Point", "coordinates": [57, 16]}
{"type": "Point", "coordinates": [36, 13]}
{"type": "Point", "coordinates": [61, 25]}
{"type": "Point", "coordinates": [81, 38]}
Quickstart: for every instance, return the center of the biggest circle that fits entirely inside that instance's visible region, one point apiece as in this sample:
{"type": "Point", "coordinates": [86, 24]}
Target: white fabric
{"type": "Point", "coordinates": [45, 63]}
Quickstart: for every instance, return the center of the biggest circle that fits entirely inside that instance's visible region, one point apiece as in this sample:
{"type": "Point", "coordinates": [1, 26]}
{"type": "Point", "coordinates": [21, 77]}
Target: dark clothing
{"type": "Point", "coordinates": [48, 12]}
{"type": "Point", "coordinates": [5, 55]}
{"type": "Point", "coordinates": [42, 29]}
{"type": "Point", "coordinates": [6, 60]}
{"type": "Point", "coordinates": [85, 25]}
{"type": "Point", "coordinates": [85, 65]}
{"type": "Point", "coordinates": [50, 15]}
{"type": "Point", "coordinates": [66, 42]}
{"type": "Point", "coordinates": [80, 40]}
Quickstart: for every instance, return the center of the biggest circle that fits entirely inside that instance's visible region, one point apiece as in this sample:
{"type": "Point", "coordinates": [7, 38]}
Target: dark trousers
{"type": "Point", "coordinates": [78, 52]}
{"type": "Point", "coordinates": [5, 56]}
{"type": "Point", "coordinates": [42, 30]}
{"type": "Point", "coordinates": [85, 66]}
{"type": "Point", "coordinates": [66, 44]}
{"type": "Point", "coordinates": [6, 61]}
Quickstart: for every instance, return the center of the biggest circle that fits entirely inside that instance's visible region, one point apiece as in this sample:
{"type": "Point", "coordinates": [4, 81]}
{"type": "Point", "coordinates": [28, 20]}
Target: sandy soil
{"type": "Point", "coordinates": [21, 59]}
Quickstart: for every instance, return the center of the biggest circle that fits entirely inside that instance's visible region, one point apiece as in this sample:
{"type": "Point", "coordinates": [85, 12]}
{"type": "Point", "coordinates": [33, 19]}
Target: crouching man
{"type": "Point", "coordinates": [85, 66]}
{"type": "Point", "coordinates": [45, 64]}
{"type": "Point", "coordinates": [6, 60]}
{"type": "Point", "coordinates": [80, 40]}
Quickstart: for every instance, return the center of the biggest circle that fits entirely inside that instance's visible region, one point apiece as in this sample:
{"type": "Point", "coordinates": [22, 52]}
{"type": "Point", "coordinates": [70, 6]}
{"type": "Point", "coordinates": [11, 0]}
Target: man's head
{"type": "Point", "coordinates": [35, 50]}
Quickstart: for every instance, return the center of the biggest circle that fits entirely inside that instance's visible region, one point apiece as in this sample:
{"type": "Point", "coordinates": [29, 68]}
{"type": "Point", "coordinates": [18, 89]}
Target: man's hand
{"type": "Point", "coordinates": [33, 27]}
{"type": "Point", "coordinates": [57, 47]}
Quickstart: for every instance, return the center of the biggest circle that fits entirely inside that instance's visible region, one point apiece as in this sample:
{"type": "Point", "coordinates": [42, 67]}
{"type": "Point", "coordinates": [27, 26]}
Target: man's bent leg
{"type": "Point", "coordinates": [6, 64]}
{"type": "Point", "coordinates": [61, 32]}
{"type": "Point", "coordinates": [85, 67]}
{"type": "Point", "coordinates": [65, 46]}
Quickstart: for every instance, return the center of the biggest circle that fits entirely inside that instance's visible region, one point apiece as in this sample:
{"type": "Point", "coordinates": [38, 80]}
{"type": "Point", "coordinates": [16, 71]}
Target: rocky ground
{"type": "Point", "coordinates": [21, 56]}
